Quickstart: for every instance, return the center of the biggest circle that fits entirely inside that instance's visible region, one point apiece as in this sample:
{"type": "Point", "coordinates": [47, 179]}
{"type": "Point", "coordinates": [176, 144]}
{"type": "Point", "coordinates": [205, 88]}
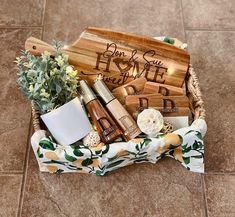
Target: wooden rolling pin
{"type": "Point", "coordinates": [121, 57]}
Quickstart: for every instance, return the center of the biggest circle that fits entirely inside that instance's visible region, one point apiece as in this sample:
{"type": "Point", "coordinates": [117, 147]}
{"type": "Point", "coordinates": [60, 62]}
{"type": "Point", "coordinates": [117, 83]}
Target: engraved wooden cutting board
{"type": "Point", "coordinates": [121, 57]}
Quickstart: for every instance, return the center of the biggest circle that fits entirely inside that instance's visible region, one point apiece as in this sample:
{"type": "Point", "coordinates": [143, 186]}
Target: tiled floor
{"type": "Point", "coordinates": [144, 190]}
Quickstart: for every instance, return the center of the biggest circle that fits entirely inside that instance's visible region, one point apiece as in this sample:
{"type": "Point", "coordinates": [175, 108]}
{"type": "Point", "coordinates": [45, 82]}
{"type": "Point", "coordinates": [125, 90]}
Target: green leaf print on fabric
{"type": "Point", "coordinates": [190, 131]}
{"type": "Point", "coordinates": [199, 135]}
{"type": "Point", "coordinates": [54, 162]}
{"type": "Point", "coordinates": [141, 160]}
{"type": "Point", "coordinates": [173, 146]}
{"type": "Point", "coordinates": [198, 156]}
{"type": "Point", "coordinates": [186, 160]}
{"type": "Point", "coordinates": [137, 147]}
{"type": "Point", "coordinates": [59, 171]}
{"type": "Point", "coordinates": [45, 144]}
{"type": "Point", "coordinates": [75, 146]}
{"type": "Point", "coordinates": [186, 149]}
{"type": "Point", "coordinates": [108, 157]}
{"type": "Point", "coordinates": [147, 141]}
{"type": "Point", "coordinates": [112, 158]}
{"type": "Point", "coordinates": [99, 173]}
{"type": "Point", "coordinates": [98, 152]}
{"type": "Point", "coordinates": [77, 152]}
{"type": "Point", "coordinates": [114, 164]}
{"type": "Point", "coordinates": [40, 155]}
{"type": "Point", "coordinates": [181, 138]}
{"type": "Point", "coordinates": [87, 162]}
{"type": "Point", "coordinates": [106, 149]}
{"type": "Point", "coordinates": [195, 145]}
{"type": "Point", "coordinates": [69, 157]}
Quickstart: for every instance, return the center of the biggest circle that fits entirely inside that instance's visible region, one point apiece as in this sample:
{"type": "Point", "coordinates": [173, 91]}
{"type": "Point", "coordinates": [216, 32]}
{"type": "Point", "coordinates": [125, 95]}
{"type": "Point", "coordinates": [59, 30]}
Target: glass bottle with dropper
{"type": "Point", "coordinates": [105, 126]}
{"type": "Point", "coordinates": [123, 118]}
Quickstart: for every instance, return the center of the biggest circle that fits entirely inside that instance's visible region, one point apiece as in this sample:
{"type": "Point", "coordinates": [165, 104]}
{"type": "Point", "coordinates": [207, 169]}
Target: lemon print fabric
{"type": "Point", "coordinates": [184, 145]}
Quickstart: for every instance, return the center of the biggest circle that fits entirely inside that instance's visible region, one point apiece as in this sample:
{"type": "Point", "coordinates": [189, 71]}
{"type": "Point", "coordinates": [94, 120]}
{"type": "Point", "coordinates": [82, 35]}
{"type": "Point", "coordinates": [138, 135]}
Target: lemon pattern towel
{"type": "Point", "coordinates": [185, 145]}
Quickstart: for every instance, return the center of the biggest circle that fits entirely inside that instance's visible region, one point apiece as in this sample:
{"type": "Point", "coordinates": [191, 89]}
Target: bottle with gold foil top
{"type": "Point", "coordinates": [122, 117]}
{"type": "Point", "coordinates": [105, 126]}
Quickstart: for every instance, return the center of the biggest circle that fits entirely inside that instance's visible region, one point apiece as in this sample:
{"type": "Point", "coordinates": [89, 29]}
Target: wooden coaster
{"type": "Point", "coordinates": [163, 89]}
{"type": "Point", "coordinates": [167, 105]}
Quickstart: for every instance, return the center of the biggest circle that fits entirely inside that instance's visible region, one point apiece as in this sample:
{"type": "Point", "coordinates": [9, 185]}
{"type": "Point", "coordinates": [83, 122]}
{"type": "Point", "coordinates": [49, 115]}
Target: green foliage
{"type": "Point", "coordinates": [47, 80]}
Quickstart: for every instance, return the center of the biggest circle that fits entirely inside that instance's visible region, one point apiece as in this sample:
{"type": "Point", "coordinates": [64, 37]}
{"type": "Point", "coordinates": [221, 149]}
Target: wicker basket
{"type": "Point", "coordinates": [103, 158]}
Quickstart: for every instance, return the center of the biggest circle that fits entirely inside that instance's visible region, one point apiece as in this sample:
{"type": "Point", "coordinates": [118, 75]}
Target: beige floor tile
{"type": "Point", "coordinates": [65, 21]}
{"type": "Point", "coordinates": [220, 194]}
{"type": "Point", "coordinates": [209, 14]}
{"type": "Point", "coordinates": [21, 12]}
{"type": "Point", "coordinates": [10, 186]}
{"type": "Point", "coordinates": [164, 189]}
{"type": "Point", "coordinates": [14, 109]}
{"type": "Point", "coordinates": [212, 54]}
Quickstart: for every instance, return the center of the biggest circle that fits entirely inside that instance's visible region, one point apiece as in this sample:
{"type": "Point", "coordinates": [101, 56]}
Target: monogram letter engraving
{"type": "Point", "coordinates": [143, 104]}
{"type": "Point", "coordinates": [98, 61]}
{"type": "Point", "coordinates": [130, 90]}
{"type": "Point", "coordinates": [171, 108]}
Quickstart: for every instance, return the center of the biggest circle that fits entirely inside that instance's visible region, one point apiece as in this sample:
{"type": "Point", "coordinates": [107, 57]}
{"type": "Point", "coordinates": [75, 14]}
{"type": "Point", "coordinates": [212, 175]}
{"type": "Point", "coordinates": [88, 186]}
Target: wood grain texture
{"type": "Point", "coordinates": [134, 87]}
{"type": "Point", "coordinates": [163, 89]}
{"type": "Point", "coordinates": [121, 57]}
{"type": "Point", "coordinates": [167, 105]}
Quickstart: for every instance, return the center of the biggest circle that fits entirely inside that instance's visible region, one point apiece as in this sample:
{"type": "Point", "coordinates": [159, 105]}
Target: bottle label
{"type": "Point", "coordinates": [129, 125]}
{"type": "Point", "coordinates": [107, 127]}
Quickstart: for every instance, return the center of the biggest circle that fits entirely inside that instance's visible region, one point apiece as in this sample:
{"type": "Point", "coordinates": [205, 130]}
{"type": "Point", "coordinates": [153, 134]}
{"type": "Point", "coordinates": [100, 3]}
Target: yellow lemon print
{"type": "Point", "coordinates": [137, 140]}
{"type": "Point", "coordinates": [77, 163]}
{"type": "Point", "coordinates": [161, 150]}
{"type": "Point", "coordinates": [178, 154]}
{"type": "Point", "coordinates": [122, 152]}
{"type": "Point", "coordinates": [52, 168]}
{"type": "Point", "coordinates": [98, 147]}
{"type": "Point", "coordinates": [95, 163]}
{"type": "Point", "coordinates": [51, 155]}
{"type": "Point", "coordinates": [172, 139]}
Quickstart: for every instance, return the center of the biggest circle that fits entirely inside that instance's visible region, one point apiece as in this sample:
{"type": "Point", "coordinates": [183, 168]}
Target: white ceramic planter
{"type": "Point", "coordinates": [68, 123]}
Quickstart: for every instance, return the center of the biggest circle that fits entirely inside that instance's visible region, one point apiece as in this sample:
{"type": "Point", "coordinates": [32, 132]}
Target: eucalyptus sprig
{"type": "Point", "coordinates": [49, 80]}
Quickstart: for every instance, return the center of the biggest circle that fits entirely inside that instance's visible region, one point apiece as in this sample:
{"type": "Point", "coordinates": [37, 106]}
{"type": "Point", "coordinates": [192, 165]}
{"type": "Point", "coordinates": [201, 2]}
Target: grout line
{"type": "Point", "coordinates": [19, 27]}
{"type": "Point", "coordinates": [204, 194]}
{"type": "Point", "coordinates": [185, 29]}
{"type": "Point", "coordinates": [11, 173]}
{"type": "Point", "coordinates": [20, 204]}
{"type": "Point", "coordinates": [42, 12]}
{"type": "Point", "coordinates": [220, 173]}
{"type": "Point", "coordinates": [182, 18]}
{"type": "Point", "coordinates": [43, 18]}
{"type": "Point", "coordinates": [209, 30]}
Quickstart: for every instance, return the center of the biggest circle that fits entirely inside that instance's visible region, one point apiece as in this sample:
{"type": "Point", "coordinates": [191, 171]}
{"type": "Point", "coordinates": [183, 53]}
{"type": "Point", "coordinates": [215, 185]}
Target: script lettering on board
{"type": "Point", "coordinates": [127, 66]}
